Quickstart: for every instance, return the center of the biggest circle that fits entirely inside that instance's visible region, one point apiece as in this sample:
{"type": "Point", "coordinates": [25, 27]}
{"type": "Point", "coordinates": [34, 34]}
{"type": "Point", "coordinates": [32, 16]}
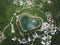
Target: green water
{"type": "Point", "coordinates": [28, 24]}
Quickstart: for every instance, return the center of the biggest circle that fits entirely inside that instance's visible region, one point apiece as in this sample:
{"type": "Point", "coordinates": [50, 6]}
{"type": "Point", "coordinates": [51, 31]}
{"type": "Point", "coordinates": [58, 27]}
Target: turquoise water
{"type": "Point", "coordinates": [28, 24]}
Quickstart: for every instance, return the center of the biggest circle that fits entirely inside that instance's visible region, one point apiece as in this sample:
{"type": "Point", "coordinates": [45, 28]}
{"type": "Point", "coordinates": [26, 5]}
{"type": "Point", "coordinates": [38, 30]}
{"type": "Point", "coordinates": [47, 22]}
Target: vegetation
{"type": "Point", "coordinates": [7, 8]}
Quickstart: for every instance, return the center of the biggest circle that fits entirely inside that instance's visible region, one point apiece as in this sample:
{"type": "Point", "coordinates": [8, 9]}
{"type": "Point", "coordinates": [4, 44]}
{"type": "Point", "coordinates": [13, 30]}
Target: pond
{"type": "Point", "coordinates": [29, 23]}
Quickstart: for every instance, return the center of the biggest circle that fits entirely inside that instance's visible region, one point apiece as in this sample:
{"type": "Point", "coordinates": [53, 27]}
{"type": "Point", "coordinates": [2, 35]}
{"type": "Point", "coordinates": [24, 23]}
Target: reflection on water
{"type": "Point", "coordinates": [29, 24]}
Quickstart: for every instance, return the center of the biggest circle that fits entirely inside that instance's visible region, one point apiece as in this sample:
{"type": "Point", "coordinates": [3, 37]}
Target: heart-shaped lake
{"type": "Point", "coordinates": [29, 22]}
